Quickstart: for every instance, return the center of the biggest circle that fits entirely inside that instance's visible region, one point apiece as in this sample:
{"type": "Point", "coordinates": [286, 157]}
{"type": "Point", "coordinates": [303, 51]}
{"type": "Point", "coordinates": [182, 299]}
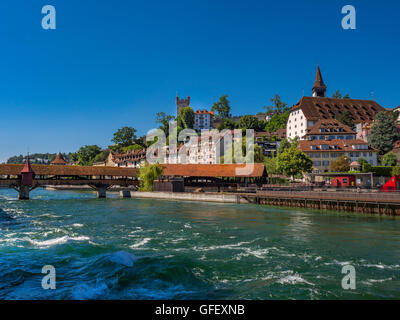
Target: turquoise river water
{"type": "Point", "coordinates": [153, 249]}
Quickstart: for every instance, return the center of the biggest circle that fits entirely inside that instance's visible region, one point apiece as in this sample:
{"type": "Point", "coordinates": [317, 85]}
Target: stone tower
{"type": "Point", "coordinates": [319, 89]}
{"type": "Point", "coordinates": [181, 103]}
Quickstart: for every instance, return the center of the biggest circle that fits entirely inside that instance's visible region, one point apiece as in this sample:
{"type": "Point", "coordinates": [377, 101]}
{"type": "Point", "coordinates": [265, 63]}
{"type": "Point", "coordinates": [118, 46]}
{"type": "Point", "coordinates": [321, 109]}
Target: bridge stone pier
{"type": "Point", "coordinates": [100, 189]}
{"type": "Point", "coordinates": [125, 193]}
{"type": "Point", "coordinates": [23, 192]}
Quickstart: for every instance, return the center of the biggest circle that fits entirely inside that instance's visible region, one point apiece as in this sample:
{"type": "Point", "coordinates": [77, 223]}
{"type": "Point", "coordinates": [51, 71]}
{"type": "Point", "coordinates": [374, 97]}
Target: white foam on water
{"type": "Point", "coordinates": [236, 246]}
{"type": "Point", "coordinates": [47, 215]}
{"type": "Point", "coordinates": [77, 225]}
{"type": "Point", "coordinates": [138, 229]}
{"type": "Point", "coordinates": [178, 240]}
{"type": "Point", "coordinates": [57, 241]}
{"type": "Point", "coordinates": [379, 280]}
{"type": "Point", "coordinates": [379, 266]}
{"type": "Point", "coordinates": [10, 235]}
{"type": "Point", "coordinates": [343, 263]}
{"type": "Point", "coordinates": [140, 243]}
{"type": "Point", "coordinates": [258, 253]}
{"type": "Point", "coordinates": [293, 279]}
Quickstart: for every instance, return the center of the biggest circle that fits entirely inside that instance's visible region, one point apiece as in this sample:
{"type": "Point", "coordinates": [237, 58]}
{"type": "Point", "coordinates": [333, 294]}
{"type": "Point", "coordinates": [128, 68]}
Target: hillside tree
{"type": "Point", "coordinates": [384, 133]}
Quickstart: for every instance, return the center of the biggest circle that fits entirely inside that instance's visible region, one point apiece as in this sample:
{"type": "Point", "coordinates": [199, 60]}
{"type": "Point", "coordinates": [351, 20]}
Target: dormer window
{"type": "Point", "coordinates": [360, 146]}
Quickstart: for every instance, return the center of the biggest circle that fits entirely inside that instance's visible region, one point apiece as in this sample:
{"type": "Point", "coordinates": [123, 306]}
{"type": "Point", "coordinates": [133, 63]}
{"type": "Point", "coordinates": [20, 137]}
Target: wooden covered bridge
{"type": "Point", "coordinates": [25, 178]}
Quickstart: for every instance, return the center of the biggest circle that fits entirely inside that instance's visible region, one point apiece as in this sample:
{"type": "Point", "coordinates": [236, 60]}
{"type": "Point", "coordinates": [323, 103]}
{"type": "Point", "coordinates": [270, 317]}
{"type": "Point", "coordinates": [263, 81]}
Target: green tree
{"type": "Point", "coordinates": [293, 162]}
{"type": "Point", "coordinates": [148, 174]}
{"type": "Point", "coordinates": [341, 164]}
{"type": "Point", "coordinates": [396, 170]}
{"type": "Point", "coordinates": [222, 108]}
{"type": "Point", "coordinates": [278, 106]}
{"type": "Point", "coordinates": [389, 159]}
{"type": "Point", "coordinates": [383, 133]}
{"type": "Point", "coordinates": [74, 157]}
{"type": "Point", "coordinates": [87, 154]}
{"type": "Point", "coordinates": [102, 156]}
{"type": "Point", "coordinates": [133, 147]}
{"type": "Point", "coordinates": [250, 122]}
{"type": "Point", "coordinates": [337, 95]}
{"type": "Point", "coordinates": [396, 115]}
{"type": "Point", "coordinates": [277, 121]}
{"type": "Point", "coordinates": [185, 118]}
{"type": "Point", "coordinates": [346, 119]}
{"type": "Point", "coordinates": [286, 144]}
{"type": "Point", "coordinates": [227, 124]}
{"type": "Point", "coordinates": [164, 120]}
{"type": "Point", "coordinates": [361, 161]}
{"type": "Point", "coordinates": [124, 136]}
{"type": "Point", "coordinates": [365, 165]}
{"type": "Point", "coordinates": [271, 165]}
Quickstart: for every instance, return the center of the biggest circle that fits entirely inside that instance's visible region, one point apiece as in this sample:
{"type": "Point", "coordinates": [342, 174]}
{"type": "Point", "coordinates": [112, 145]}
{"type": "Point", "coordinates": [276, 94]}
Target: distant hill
{"type": "Point", "coordinates": [36, 158]}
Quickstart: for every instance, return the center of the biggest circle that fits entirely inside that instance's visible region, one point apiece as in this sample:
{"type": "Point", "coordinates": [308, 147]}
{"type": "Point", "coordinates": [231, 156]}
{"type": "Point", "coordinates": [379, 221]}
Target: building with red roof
{"type": "Point", "coordinates": [324, 152]}
{"type": "Point", "coordinates": [59, 160]}
{"type": "Point", "coordinates": [309, 110]}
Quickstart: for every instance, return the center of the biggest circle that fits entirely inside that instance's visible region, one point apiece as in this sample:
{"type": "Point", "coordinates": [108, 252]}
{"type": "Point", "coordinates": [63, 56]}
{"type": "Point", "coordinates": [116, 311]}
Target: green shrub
{"type": "Point", "coordinates": [382, 171]}
{"type": "Point", "coordinates": [389, 159]}
{"type": "Point", "coordinates": [396, 170]}
{"type": "Point", "coordinates": [148, 174]}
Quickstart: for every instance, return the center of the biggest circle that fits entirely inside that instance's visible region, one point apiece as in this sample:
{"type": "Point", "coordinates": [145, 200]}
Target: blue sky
{"type": "Point", "coordinates": [117, 63]}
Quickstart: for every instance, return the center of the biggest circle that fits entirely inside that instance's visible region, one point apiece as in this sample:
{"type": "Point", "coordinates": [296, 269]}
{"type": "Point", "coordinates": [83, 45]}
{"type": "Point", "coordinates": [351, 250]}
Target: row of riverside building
{"type": "Point", "coordinates": [313, 120]}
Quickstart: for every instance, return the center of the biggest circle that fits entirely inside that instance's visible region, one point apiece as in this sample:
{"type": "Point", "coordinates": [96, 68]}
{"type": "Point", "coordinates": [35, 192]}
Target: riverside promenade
{"type": "Point", "coordinates": [363, 202]}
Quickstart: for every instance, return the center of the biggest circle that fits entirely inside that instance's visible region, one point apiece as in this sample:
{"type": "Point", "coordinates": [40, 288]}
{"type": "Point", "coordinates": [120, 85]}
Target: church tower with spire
{"type": "Point", "coordinates": [319, 89]}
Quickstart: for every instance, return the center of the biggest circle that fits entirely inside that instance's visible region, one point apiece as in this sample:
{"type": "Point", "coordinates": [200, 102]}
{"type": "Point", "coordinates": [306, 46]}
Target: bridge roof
{"type": "Point", "coordinates": [212, 170]}
{"type": "Point", "coordinates": [49, 170]}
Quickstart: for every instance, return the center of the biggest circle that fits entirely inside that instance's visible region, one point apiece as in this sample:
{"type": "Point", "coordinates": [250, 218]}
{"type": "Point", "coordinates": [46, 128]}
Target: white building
{"type": "Point", "coordinates": [203, 120]}
{"type": "Point", "coordinates": [309, 110]}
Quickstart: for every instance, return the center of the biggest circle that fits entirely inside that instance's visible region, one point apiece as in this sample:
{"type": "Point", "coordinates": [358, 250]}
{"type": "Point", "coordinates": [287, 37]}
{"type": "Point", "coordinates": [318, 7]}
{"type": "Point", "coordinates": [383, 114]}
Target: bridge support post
{"type": "Point", "coordinates": [125, 193]}
{"type": "Point", "coordinates": [23, 192]}
{"type": "Point", "coordinates": [101, 192]}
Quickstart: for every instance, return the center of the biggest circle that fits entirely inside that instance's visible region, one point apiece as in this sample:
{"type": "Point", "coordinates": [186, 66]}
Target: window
{"type": "Point", "coordinates": [360, 146]}
{"type": "Point", "coordinates": [325, 163]}
{"type": "Point", "coordinates": [324, 146]}
{"type": "Point", "coordinates": [317, 163]}
{"type": "Point", "coordinates": [325, 155]}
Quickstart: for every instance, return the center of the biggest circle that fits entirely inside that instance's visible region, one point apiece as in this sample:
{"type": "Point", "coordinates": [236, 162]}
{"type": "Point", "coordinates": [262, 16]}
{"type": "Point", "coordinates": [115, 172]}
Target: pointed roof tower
{"type": "Point", "coordinates": [59, 160]}
{"type": "Point", "coordinates": [27, 168]}
{"type": "Point", "coordinates": [319, 89]}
